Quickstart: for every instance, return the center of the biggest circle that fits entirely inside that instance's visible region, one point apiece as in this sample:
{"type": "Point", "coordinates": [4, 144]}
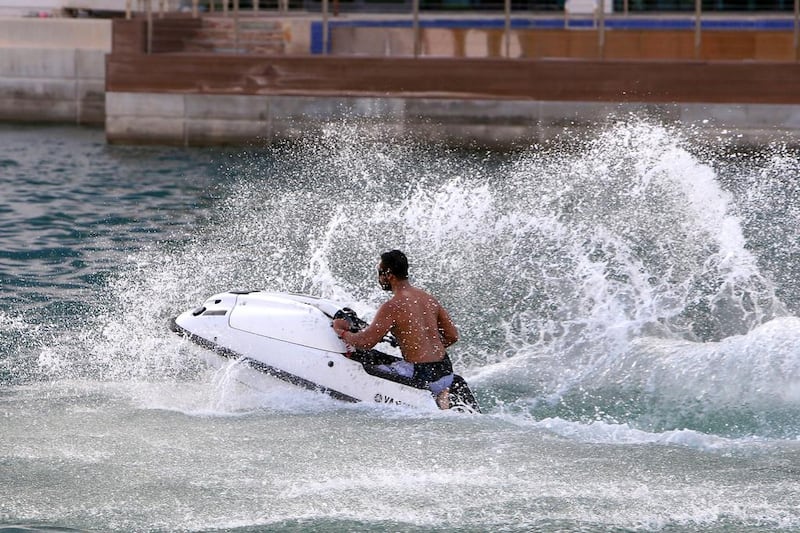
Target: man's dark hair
{"type": "Point", "coordinates": [395, 262]}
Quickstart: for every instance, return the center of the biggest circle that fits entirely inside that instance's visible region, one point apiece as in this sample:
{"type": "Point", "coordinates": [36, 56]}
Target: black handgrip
{"type": "Point", "coordinates": [356, 324]}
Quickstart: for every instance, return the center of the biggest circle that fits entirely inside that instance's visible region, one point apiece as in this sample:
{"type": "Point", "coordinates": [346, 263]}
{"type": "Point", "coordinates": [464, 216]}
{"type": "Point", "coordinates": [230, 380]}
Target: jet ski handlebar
{"type": "Point", "coordinates": [357, 324]}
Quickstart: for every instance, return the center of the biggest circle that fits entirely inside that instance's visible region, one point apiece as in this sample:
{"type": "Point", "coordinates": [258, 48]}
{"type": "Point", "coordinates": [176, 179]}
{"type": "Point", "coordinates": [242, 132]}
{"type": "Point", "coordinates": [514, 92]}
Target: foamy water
{"type": "Point", "coordinates": [627, 306]}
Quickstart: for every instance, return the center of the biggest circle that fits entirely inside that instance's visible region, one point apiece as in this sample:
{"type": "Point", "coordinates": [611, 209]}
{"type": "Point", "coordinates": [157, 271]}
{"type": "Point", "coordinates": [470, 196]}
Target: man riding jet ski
{"type": "Point", "coordinates": [315, 343]}
{"type": "Point", "coordinates": [422, 327]}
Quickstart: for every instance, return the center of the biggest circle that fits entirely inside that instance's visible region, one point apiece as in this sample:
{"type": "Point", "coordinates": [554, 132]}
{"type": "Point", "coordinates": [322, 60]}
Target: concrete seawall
{"type": "Point", "coordinates": [84, 71]}
{"type": "Point", "coordinates": [199, 119]}
{"type": "Point", "coordinates": [211, 99]}
{"type": "Point", "coordinates": [53, 70]}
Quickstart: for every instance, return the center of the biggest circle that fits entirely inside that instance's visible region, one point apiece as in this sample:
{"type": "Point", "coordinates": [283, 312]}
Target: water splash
{"type": "Point", "coordinates": [563, 267]}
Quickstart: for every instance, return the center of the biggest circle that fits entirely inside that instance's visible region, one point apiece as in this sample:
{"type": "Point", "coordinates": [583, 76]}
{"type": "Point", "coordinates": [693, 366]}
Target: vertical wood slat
{"type": "Point", "coordinates": [170, 34]}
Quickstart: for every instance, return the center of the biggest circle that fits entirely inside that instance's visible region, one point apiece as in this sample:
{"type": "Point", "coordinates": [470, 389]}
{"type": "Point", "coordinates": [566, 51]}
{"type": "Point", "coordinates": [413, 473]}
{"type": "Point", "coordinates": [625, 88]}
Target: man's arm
{"type": "Point", "coordinates": [447, 330]}
{"type": "Point", "coordinates": [372, 334]}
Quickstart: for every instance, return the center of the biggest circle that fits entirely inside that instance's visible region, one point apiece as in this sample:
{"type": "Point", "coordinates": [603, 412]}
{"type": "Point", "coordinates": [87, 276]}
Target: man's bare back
{"type": "Point", "coordinates": [421, 326]}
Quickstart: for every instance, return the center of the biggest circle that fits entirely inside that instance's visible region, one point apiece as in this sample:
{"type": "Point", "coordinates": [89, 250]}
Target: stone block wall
{"type": "Point", "coordinates": [53, 70]}
{"type": "Point", "coordinates": [212, 119]}
{"type": "Point", "coordinates": [52, 85]}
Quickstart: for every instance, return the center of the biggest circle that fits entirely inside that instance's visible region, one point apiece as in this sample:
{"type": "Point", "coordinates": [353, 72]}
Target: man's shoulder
{"type": "Point", "coordinates": [398, 302]}
{"type": "Point", "coordinates": [425, 295]}
{"type": "Point", "coordinates": [391, 305]}
{"type": "Point", "coordinates": [414, 299]}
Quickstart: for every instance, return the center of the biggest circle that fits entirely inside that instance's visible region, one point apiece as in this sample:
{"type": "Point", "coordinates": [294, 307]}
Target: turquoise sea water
{"type": "Point", "coordinates": [628, 304]}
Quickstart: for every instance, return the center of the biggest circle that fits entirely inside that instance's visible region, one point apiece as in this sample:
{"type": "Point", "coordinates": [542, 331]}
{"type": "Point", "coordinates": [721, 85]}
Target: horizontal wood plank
{"type": "Point", "coordinates": [484, 78]}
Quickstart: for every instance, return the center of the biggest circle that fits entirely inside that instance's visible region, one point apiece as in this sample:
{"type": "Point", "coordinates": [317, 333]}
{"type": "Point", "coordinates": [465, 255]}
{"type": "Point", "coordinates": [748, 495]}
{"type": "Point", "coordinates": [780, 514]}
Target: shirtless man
{"type": "Point", "coordinates": [421, 326]}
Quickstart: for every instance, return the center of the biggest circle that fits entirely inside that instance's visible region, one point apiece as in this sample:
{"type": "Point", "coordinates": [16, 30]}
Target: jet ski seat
{"type": "Point", "coordinates": [372, 359]}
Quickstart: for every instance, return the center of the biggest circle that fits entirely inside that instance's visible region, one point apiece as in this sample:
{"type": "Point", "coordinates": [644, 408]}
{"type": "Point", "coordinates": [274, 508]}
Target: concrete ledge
{"type": "Point", "coordinates": [55, 33]}
{"type": "Point", "coordinates": [21, 110]}
{"type": "Point", "coordinates": [750, 117]}
{"type": "Point", "coordinates": [141, 118]}
{"type": "Point", "coordinates": [145, 130]}
{"type": "Point", "coordinates": [510, 112]}
{"type": "Point", "coordinates": [90, 64]}
{"type": "Point", "coordinates": [217, 131]}
{"type": "Point", "coordinates": [146, 105]}
{"type": "Point", "coordinates": [227, 107]}
{"type": "Point", "coordinates": [43, 90]}
{"type": "Point", "coordinates": [308, 108]}
{"type": "Point", "coordinates": [38, 63]}
{"type": "Point", "coordinates": [52, 85]}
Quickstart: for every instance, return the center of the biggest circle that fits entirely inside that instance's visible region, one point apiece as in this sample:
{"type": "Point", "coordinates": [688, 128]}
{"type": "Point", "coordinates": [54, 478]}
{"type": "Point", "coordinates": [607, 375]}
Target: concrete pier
{"type": "Point", "coordinates": [201, 85]}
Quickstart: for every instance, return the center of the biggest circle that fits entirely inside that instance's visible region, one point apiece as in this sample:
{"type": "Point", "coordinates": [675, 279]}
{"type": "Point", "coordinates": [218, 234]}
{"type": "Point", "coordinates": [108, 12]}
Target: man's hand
{"type": "Point", "coordinates": [340, 325]}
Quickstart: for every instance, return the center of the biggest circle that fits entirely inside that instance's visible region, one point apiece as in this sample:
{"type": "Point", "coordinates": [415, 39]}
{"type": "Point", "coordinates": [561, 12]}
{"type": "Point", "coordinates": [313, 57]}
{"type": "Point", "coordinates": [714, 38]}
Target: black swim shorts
{"type": "Point", "coordinates": [430, 372]}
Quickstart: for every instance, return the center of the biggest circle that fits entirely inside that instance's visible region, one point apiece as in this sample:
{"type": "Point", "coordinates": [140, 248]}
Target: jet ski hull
{"type": "Point", "coordinates": [289, 337]}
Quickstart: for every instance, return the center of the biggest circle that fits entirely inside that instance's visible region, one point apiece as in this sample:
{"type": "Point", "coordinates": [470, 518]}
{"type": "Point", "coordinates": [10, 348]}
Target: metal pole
{"type": "Point", "coordinates": [161, 9]}
{"type": "Point", "coordinates": [507, 33]}
{"type": "Point", "coordinates": [796, 30]}
{"type": "Point", "coordinates": [415, 26]}
{"type": "Point", "coordinates": [149, 26]}
{"type": "Point", "coordinates": [698, 37]}
{"type": "Point", "coordinates": [325, 28]}
{"type": "Point", "coordinates": [128, 9]}
{"type": "Point", "coordinates": [626, 7]}
{"type": "Point", "coordinates": [601, 30]}
{"type": "Point", "coordinates": [236, 25]}
{"type": "Point", "coordinates": [196, 7]}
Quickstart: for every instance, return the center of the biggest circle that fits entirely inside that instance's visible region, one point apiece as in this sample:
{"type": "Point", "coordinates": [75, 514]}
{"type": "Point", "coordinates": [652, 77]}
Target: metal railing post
{"type": "Point", "coordinates": [149, 26]}
{"type": "Point", "coordinates": [236, 25]}
{"type": "Point", "coordinates": [415, 26]}
{"type": "Point", "coordinates": [601, 28]}
{"type": "Point", "coordinates": [796, 30]}
{"type": "Point", "coordinates": [507, 29]}
{"type": "Point", "coordinates": [698, 27]}
{"type": "Point", "coordinates": [325, 28]}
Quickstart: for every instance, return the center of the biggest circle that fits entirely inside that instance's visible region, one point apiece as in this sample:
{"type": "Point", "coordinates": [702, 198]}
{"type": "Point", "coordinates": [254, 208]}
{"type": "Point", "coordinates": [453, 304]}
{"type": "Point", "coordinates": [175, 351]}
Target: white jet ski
{"type": "Point", "coordinates": [289, 336]}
